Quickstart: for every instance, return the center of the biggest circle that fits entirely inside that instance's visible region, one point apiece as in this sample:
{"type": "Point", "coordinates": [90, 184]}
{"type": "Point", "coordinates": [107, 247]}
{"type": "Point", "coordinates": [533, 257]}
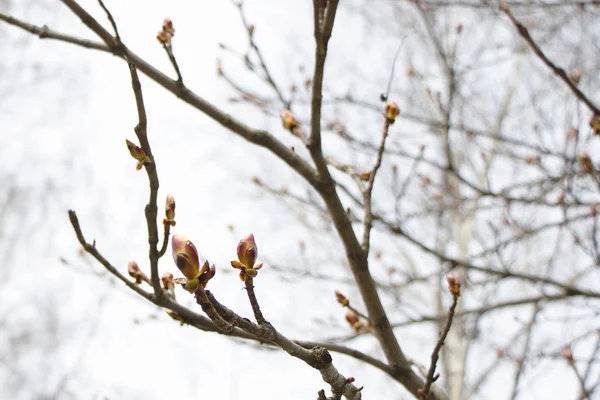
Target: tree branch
{"type": "Point", "coordinates": [538, 52]}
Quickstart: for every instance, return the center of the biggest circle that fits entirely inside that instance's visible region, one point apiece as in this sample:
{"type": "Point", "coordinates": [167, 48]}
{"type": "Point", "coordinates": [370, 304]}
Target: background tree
{"type": "Point", "coordinates": [488, 173]}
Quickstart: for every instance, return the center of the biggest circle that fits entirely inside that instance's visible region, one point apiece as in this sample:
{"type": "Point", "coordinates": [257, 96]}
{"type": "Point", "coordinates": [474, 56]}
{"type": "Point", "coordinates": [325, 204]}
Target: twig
{"type": "Point", "coordinates": [263, 65]}
{"type": "Point", "coordinates": [111, 19]}
{"type": "Point", "coordinates": [524, 32]}
{"type": "Point", "coordinates": [151, 208]}
{"type": "Point", "coordinates": [436, 351]}
{"type": "Point", "coordinates": [521, 360]}
{"type": "Point", "coordinates": [163, 249]}
{"type": "Point", "coordinates": [46, 33]}
{"type": "Point", "coordinates": [169, 50]}
{"type": "Point", "coordinates": [249, 282]}
{"type": "Point", "coordinates": [210, 311]}
{"type": "Point", "coordinates": [368, 193]}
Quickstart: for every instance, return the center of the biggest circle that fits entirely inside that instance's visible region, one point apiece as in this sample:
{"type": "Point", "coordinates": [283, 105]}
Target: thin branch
{"type": "Point", "coordinates": [111, 19]}
{"type": "Point", "coordinates": [169, 49]}
{"type": "Point", "coordinates": [268, 77]}
{"type": "Point", "coordinates": [249, 282]}
{"type": "Point", "coordinates": [151, 209]}
{"type": "Point", "coordinates": [46, 33]}
{"type": "Point", "coordinates": [368, 193]}
{"type": "Point", "coordinates": [520, 370]}
{"type": "Point", "coordinates": [524, 32]}
{"type": "Point", "coordinates": [166, 233]}
{"type": "Point", "coordinates": [322, 33]}
{"type": "Point", "coordinates": [436, 351]}
{"type": "Point", "coordinates": [210, 311]}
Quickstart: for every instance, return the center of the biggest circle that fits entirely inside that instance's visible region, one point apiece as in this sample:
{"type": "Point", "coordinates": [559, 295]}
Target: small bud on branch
{"type": "Point", "coordinates": [138, 153]}
{"type": "Point", "coordinates": [169, 211]}
{"type": "Point", "coordinates": [247, 252]}
{"type": "Point", "coordinates": [453, 284]}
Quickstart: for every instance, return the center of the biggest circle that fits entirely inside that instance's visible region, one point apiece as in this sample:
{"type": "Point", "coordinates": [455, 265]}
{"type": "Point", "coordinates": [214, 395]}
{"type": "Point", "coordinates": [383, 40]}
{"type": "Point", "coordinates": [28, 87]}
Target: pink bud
{"type": "Point", "coordinates": [453, 284]}
{"type": "Point", "coordinates": [343, 300]}
{"type": "Point", "coordinates": [167, 281]}
{"type": "Point", "coordinates": [185, 256]}
{"type": "Point", "coordinates": [288, 120]}
{"type": "Point", "coordinates": [169, 211]}
{"type": "Point", "coordinates": [247, 251]}
{"type": "Point", "coordinates": [391, 111]}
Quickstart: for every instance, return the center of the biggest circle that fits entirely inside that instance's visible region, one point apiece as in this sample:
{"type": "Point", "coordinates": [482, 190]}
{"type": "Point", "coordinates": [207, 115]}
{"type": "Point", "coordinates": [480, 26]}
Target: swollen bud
{"type": "Point", "coordinates": [247, 252]}
{"type": "Point", "coordinates": [586, 161]}
{"type": "Point", "coordinates": [354, 321]}
{"type": "Point", "coordinates": [135, 272]}
{"type": "Point", "coordinates": [595, 124]}
{"type": "Point", "coordinates": [138, 153]}
{"type": "Point", "coordinates": [341, 298]}
{"type": "Point", "coordinates": [453, 284]}
{"type": "Point", "coordinates": [166, 34]}
{"type": "Point", "coordinates": [391, 111]}
{"type": "Point", "coordinates": [288, 120]}
{"type": "Point", "coordinates": [185, 256]}
{"type": "Point", "coordinates": [169, 211]}
{"type": "Point", "coordinates": [168, 284]}
{"type": "Point", "coordinates": [167, 281]}
{"type": "Point", "coordinates": [567, 354]}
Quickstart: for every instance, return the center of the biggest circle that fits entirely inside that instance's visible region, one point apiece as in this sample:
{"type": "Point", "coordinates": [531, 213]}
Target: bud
{"type": "Point", "coordinates": [453, 284]}
{"type": "Point", "coordinates": [391, 111]}
{"type": "Point", "coordinates": [167, 32]}
{"type": "Point", "coordinates": [176, 317]}
{"type": "Point", "coordinates": [288, 120]}
{"type": "Point", "coordinates": [586, 161]}
{"type": "Point", "coordinates": [167, 281]}
{"type": "Point", "coordinates": [354, 321]}
{"type": "Point", "coordinates": [138, 153]}
{"type": "Point", "coordinates": [169, 211]}
{"type": "Point", "coordinates": [135, 272]}
{"type": "Point", "coordinates": [350, 379]}
{"type": "Point", "coordinates": [247, 251]}
{"type": "Point", "coordinates": [567, 354]}
{"type": "Point", "coordinates": [574, 76]}
{"type": "Point", "coordinates": [185, 256]}
{"type": "Point", "coordinates": [341, 298]}
{"type": "Point", "coordinates": [595, 124]}
{"type": "Point", "coordinates": [420, 393]}
{"type": "Point", "coordinates": [532, 160]}
{"type": "Point", "coordinates": [351, 317]}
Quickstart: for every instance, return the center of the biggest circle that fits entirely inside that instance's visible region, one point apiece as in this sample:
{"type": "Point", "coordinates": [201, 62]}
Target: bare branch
{"type": "Point", "coordinates": [368, 193]}
{"type": "Point", "coordinates": [46, 33]}
{"type": "Point", "coordinates": [524, 32]}
{"type": "Point", "coordinates": [436, 351]}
